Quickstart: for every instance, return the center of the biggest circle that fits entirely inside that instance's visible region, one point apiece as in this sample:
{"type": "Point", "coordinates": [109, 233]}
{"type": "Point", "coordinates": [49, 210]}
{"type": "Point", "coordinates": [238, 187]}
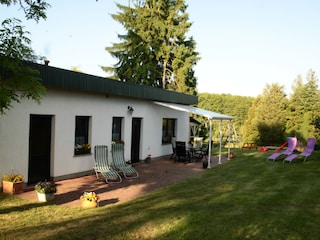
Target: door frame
{"type": "Point", "coordinates": [135, 139]}
{"type": "Point", "coordinates": [48, 124]}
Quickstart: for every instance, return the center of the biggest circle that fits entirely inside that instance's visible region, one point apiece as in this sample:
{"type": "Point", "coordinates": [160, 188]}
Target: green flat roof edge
{"type": "Point", "coordinates": [71, 80]}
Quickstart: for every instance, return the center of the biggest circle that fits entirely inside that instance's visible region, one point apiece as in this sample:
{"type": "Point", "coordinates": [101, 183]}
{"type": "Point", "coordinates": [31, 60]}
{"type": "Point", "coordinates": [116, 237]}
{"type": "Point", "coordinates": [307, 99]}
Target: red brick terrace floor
{"type": "Point", "coordinates": [159, 173]}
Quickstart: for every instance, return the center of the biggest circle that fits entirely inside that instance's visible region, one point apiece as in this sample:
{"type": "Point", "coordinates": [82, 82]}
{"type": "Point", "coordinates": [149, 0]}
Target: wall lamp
{"type": "Point", "coordinates": [130, 109]}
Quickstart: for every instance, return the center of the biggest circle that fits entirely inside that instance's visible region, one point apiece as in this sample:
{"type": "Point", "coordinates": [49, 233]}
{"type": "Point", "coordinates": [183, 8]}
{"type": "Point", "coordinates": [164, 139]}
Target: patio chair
{"type": "Point", "coordinates": [101, 165]}
{"type": "Point", "coordinates": [306, 153]}
{"type": "Point", "coordinates": [181, 152]}
{"type": "Point", "coordinates": [202, 153]}
{"type": "Point", "coordinates": [198, 142]}
{"type": "Point", "coordinates": [292, 142]}
{"type": "Point", "coordinates": [119, 162]}
{"type": "Point", "coordinates": [173, 144]}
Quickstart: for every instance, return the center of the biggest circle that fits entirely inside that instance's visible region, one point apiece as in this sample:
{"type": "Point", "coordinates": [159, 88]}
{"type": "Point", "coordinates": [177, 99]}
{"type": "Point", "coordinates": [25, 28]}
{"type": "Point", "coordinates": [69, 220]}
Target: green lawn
{"type": "Point", "coordinates": [246, 198]}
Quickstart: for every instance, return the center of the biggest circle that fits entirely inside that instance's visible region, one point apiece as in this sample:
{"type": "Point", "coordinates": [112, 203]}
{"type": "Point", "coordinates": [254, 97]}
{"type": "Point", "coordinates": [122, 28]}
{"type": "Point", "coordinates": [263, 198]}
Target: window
{"type": "Point", "coordinates": [168, 129]}
{"type": "Point", "coordinates": [81, 141]}
{"type": "Point", "coordinates": [116, 129]}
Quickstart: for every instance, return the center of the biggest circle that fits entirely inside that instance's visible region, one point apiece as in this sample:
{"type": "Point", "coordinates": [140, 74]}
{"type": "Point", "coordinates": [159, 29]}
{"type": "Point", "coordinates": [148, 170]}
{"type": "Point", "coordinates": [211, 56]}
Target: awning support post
{"type": "Point", "coordinates": [229, 139]}
{"type": "Point", "coordinates": [210, 139]}
{"type": "Point", "coordinates": [220, 147]}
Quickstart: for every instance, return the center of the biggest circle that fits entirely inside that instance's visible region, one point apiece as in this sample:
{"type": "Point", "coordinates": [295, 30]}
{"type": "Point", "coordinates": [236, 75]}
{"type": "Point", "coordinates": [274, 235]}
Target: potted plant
{"type": "Point", "coordinates": [148, 159]}
{"type": "Point", "coordinates": [82, 149]}
{"type": "Point", "coordinates": [45, 191]}
{"type": "Point", "coordinates": [12, 183]}
{"type": "Point", "coordinates": [89, 200]}
{"type": "Point", "coordinates": [118, 142]}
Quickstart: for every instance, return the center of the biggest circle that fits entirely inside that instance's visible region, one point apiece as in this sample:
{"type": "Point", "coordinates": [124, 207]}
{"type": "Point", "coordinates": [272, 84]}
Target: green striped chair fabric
{"type": "Point", "coordinates": [101, 165]}
{"type": "Point", "coordinates": [117, 151]}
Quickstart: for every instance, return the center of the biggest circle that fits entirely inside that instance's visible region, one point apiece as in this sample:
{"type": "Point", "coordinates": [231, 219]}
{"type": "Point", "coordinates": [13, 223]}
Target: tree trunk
{"type": "Point", "coordinates": [164, 74]}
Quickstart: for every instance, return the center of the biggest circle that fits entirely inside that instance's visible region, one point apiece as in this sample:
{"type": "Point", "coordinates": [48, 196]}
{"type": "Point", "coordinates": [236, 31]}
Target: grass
{"type": "Point", "coordinates": [246, 198]}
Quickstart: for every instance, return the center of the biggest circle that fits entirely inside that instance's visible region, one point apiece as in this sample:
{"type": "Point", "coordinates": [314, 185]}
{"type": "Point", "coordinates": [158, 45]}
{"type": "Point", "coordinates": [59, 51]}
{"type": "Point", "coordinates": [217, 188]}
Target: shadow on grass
{"type": "Point", "coordinates": [9, 203]}
{"type": "Point", "coordinates": [246, 198]}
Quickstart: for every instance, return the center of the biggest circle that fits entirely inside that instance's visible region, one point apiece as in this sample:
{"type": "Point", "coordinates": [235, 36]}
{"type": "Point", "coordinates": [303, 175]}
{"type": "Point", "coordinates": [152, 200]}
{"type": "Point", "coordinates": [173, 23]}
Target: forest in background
{"type": "Point", "coordinates": [272, 116]}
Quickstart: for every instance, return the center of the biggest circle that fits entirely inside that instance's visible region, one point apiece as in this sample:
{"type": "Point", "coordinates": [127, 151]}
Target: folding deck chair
{"type": "Point", "coordinates": [119, 162]}
{"type": "Point", "coordinates": [292, 143]}
{"type": "Point", "coordinates": [306, 153]}
{"type": "Point", "coordinates": [101, 165]}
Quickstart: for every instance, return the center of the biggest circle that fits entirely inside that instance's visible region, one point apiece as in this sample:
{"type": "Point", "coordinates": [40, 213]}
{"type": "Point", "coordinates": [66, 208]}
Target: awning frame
{"type": "Point", "coordinates": [210, 116]}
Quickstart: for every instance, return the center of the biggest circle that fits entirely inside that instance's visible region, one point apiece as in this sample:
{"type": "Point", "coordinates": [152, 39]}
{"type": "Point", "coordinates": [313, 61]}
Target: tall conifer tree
{"type": "Point", "coordinates": [155, 50]}
{"type": "Point", "coordinates": [304, 108]}
{"type": "Point", "coordinates": [295, 108]}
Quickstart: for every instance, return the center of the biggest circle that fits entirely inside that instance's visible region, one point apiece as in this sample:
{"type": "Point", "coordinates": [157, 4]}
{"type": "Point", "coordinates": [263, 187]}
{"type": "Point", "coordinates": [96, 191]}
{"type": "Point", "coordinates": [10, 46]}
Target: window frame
{"type": "Point", "coordinates": [82, 135]}
{"type": "Point", "coordinates": [168, 130]}
{"type": "Point", "coordinates": [117, 129]}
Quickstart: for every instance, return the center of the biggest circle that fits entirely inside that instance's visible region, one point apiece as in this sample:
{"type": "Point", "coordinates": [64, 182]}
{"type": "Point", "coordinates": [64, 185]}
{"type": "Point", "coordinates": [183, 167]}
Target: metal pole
{"type": "Point", "coordinates": [220, 142]}
{"type": "Point", "coordinates": [209, 151]}
{"type": "Point", "coordinates": [229, 138]}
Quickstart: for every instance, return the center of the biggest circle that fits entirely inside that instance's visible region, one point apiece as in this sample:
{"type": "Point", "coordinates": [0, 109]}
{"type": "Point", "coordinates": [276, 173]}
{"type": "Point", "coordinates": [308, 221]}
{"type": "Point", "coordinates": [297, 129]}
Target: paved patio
{"type": "Point", "coordinates": [159, 173]}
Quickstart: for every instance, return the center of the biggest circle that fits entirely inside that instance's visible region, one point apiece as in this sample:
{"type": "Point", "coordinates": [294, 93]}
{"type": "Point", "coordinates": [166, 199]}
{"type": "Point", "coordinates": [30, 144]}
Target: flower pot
{"type": "Point", "coordinates": [12, 187]}
{"type": "Point", "coordinates": [45, 197]}
{"type": "Point", "coordinates": [148, 160]}
{"type": "Point", "coordinates": [82, 151]}
{"type": "Point", "coordinates": [89, 204]}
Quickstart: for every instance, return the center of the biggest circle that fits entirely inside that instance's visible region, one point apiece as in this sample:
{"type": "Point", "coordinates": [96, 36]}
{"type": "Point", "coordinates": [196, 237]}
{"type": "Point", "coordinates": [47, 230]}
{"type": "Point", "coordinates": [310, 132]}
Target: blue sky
{"type": "Point", "coordinates": [243, 45]}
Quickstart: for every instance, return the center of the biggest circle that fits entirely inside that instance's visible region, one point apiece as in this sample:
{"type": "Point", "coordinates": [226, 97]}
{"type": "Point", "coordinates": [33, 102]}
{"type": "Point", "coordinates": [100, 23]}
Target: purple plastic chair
{"type": "Point", "coordinates": [292, 143]}
{"type": "Point", "coordinates": [306, 153]}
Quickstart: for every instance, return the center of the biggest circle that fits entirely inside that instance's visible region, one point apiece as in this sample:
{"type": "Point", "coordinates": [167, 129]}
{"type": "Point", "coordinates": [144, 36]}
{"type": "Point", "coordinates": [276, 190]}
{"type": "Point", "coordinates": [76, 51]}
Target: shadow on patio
{"type": "Point", "coordinates": [159, 173]}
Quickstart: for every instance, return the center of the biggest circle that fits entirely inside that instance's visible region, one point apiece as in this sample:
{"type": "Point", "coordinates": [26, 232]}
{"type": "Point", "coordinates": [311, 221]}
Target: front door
{"type": "Point", "coordinates": [39, 148]}
{"type": "Point", "coordinates": [135, 140]}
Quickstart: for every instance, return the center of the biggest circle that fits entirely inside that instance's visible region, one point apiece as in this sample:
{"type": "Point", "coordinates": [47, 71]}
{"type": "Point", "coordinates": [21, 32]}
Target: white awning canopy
{"type": "Point", "coordinates": [208, 114]}
{"type": "Point", "coordinates": [195, 110]}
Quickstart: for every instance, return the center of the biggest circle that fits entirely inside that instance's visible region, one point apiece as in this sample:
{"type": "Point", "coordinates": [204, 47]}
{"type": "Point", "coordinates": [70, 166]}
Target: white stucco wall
{"type": "Point", "coordinates": [64, 107]}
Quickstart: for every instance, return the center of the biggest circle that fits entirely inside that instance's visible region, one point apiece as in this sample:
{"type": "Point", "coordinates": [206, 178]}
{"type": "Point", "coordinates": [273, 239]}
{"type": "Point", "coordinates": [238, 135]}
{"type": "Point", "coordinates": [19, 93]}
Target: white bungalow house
{"type": "Point", "coordinates": [48, 140]}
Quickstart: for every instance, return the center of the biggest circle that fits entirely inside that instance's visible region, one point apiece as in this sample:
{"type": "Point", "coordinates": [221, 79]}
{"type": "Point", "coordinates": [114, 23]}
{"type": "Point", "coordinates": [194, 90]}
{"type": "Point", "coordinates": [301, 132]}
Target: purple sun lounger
{"type": "Point", "coordinates": [291, 147]}
{"type": "Point", "coordinates": [306, 153]}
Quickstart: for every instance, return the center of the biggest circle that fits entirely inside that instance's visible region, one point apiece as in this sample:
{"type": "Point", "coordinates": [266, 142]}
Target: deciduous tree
{"type": "Point", "coordinates": [17, 79]}
{"type": "Point", "coordinates": [268, 118]}
{"type": "Point", "coordinates": [235, 106]}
